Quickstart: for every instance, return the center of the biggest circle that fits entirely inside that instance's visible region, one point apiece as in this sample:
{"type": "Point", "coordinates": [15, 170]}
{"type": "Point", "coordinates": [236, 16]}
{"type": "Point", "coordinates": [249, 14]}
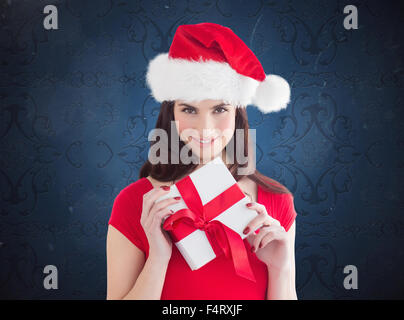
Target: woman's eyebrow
{"type": "Point", "coordinates": [187, 105]}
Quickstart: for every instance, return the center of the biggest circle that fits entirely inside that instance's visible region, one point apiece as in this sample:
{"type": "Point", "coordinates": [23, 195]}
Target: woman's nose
{"type": "Point", "coordinates": [206, 123]}
{"type": "Point", "coordinates": [207, 127]}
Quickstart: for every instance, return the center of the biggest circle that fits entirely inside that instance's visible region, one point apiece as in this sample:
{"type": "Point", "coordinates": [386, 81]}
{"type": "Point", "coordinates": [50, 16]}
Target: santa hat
{"type": "Point", "coordinates": [209, 61]}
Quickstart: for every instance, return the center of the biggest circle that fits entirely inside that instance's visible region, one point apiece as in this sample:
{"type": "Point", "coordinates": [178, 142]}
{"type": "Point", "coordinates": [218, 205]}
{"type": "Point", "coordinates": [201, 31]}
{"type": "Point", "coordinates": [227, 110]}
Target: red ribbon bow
{"type": "Point", "coordinates": [199, 216]}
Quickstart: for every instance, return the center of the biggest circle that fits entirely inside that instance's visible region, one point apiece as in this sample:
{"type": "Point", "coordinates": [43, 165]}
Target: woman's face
{"type": "Point", "coordinates": [206, 126]}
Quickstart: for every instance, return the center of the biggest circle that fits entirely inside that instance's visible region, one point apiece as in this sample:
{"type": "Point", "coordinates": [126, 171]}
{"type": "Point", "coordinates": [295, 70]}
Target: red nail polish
{"type": "Point", "coordinates": [252, 249]}
{"type": "Point", "coordinates": [246, 230]}
{"type": "Point", "coordinates": [166, 188]}
{"type": "Point", "coordinates": [260, 246]}
{"type": "Point", "coordinates": [177, 198]}
{"type": "Point", "coordinates": [249, 204]}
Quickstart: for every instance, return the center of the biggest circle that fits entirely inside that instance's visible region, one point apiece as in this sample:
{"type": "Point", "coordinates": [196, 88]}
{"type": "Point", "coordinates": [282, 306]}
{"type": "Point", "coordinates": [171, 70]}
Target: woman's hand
{"type": "Point", "coordinates": [271, 243]}
{"type": "Point", "coordinates": [152, 218]}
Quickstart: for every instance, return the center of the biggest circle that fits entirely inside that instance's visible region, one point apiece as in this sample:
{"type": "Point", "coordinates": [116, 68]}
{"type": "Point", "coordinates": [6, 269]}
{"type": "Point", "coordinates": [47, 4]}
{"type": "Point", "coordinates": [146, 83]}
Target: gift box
{"type": "Point", "coordinates": [210, 218]}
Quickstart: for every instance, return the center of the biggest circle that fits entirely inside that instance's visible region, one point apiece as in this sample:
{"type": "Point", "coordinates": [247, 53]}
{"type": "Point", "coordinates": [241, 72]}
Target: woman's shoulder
{"type": "Point", "coordinates": [155, 183]}
{"type": "Point", "coordinates": [137, 188]}
{"type": "Point", "coordinates": [267, 189]}
{"type": "Point", "coordinates": [278, 201]}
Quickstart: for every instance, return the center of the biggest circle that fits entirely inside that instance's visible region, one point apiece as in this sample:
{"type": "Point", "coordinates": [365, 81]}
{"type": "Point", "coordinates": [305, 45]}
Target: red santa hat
{"type": "Point", "coordinates": [209, 61]}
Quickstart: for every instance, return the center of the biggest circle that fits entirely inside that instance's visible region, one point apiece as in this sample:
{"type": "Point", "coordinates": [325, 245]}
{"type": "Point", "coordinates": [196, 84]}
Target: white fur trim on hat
{"type": "Point", "coordinates": [172, 79]}
{"type": "Point", "coordinates": [181, 79]}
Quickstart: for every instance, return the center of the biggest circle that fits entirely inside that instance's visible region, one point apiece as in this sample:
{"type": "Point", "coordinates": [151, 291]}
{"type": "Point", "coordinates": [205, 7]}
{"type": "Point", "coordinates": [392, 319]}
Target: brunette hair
{"type": "Point", "coordinates": [171, 172]}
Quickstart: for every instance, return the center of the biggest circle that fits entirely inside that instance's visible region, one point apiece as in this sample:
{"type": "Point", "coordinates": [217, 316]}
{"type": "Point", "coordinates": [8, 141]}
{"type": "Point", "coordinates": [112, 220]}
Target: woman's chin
{"type": "Point", "coordinates": [206, 157]}
{"type": "Point", "coordinates": [204, 154]}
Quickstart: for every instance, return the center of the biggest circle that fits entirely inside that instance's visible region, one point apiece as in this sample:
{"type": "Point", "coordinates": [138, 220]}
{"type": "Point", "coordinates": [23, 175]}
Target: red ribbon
{"type": "Point", "coordinates": [198, 216]}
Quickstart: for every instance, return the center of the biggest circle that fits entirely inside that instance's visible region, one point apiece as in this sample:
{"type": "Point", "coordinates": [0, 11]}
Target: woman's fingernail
{"type": "Point", "coordinates": [249, 204]}
{"type": "Point", "coordinates": [252, 249]}
{"type": "Point", "coordinates": [260, 246]}
{"type": "Point", "coordinates": [246, 230]}
{"type": "Point", "coordinates": [177, 198]}
{"type": "Point", "coordinates": [166, 188]}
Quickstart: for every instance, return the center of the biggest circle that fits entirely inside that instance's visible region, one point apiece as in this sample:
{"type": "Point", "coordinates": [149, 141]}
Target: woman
{"type": "Point", "coordinates": [203, 86]}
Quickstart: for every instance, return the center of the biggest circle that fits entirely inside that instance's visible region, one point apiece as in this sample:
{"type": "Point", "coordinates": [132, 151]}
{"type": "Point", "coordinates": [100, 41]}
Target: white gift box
{"type": "Point", "coordinates": [210, 181]}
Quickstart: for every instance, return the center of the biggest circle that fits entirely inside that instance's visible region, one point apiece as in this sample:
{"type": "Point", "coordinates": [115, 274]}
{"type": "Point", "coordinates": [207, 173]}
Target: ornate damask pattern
{"type": "Point", "coordinates": [75, 114]}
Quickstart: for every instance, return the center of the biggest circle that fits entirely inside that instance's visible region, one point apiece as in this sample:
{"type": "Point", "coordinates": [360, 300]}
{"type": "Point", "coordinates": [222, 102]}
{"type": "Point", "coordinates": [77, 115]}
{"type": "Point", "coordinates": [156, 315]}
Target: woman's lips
{"type": "Point", "coordinates": [204, 142]}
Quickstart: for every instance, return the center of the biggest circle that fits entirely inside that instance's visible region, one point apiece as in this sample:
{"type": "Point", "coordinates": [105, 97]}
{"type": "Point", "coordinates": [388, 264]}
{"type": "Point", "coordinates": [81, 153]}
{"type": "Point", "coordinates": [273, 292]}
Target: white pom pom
{"type": "Point", "coordinates": [272, 95]}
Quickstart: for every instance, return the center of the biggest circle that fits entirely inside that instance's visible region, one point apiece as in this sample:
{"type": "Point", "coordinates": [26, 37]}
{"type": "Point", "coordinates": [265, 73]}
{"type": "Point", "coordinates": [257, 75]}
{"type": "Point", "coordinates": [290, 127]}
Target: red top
{"type": "Point", "coordinates": [217, 279]}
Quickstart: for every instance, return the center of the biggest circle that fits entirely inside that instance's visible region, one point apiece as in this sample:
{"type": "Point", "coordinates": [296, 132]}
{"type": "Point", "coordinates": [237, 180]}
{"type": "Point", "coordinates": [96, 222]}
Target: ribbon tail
{"type": "Point", "coordinates": [217, 243]}
{"type": "Point", "coordinates": [237, 252]}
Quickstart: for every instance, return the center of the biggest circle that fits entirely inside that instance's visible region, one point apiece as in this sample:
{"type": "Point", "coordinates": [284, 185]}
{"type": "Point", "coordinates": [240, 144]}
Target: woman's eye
{"type": "Point", "coordinates": [221, 110]}
{"type": "Point", "coordinates": [188, 110]}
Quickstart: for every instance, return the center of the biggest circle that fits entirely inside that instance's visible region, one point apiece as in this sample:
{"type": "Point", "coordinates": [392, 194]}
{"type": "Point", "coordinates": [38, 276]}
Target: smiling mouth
{"type": "Point", "coordinates": [204, 142]}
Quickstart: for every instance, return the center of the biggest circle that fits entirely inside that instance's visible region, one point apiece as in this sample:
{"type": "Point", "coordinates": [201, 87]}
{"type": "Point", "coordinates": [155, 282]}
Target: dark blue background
{"type": "Point", "coordinates": [75, 114]}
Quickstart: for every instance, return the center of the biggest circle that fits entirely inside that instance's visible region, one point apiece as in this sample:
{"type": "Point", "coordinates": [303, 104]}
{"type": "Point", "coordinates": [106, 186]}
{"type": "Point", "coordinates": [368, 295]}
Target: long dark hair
{"type": "Point", "coordinates": [172, 172]}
